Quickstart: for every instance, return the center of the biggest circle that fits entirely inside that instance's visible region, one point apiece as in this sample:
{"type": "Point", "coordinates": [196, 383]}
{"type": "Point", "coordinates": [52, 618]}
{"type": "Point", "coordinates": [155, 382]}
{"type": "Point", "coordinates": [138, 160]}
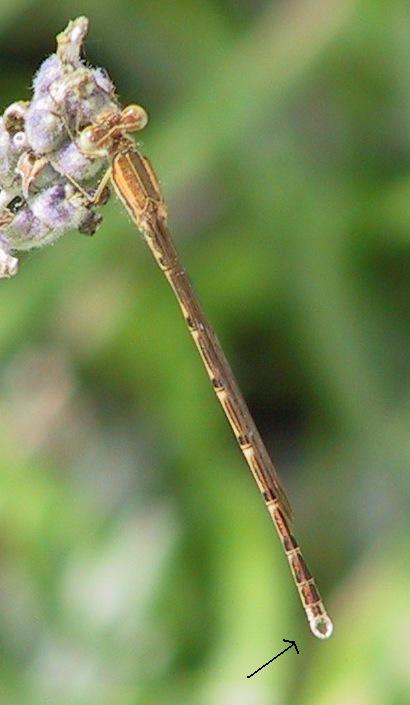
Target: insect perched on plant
{"type": "Point", "coordinates": [73, 130]}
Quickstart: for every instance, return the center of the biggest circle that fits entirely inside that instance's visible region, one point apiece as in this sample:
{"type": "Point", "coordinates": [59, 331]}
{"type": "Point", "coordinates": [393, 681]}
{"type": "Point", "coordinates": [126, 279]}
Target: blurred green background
{"type": "Point", "coordinates": [138, 564]}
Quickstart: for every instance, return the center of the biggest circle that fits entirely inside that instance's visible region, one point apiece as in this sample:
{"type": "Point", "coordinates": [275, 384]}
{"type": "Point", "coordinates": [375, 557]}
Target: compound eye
{"type": "Point", "coordinates": [134, 118]}
{"type": "Point", "coordinates": [89, 143]}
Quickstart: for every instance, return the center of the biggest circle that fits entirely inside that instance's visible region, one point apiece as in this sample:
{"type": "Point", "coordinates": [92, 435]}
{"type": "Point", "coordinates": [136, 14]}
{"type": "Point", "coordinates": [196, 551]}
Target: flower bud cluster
{"type": "Point", "coordinates": [46, 182]}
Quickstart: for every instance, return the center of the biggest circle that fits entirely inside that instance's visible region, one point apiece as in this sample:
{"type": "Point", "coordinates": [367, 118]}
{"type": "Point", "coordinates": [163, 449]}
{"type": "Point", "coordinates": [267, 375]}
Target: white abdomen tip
{"type": "Point", "coordinates": [321, 626]}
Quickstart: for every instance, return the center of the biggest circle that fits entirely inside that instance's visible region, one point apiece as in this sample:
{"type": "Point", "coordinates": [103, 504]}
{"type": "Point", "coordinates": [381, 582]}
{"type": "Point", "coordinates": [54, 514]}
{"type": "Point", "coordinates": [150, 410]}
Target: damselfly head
{"type": "Point", "coordinates": [99, 140]}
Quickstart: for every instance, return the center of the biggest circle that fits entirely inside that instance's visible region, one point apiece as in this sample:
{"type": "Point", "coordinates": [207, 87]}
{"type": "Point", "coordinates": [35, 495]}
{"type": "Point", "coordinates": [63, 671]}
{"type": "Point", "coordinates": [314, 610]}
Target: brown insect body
{"type": "Point", "coordinates": [138, 188]}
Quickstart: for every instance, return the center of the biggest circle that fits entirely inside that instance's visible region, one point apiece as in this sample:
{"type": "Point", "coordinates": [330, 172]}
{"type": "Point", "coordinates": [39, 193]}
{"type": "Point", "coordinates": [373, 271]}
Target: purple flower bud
{"type": "Point", "coordinates": [51, 70]}
{"type": "Point", "coordinates": [26, 231]}
{"type": "Point", "coordinates": [45, 130]}
{"type": "Point", "coordinates": [60, 207]}
{"type": "Point", "coordinates": [69, 160]}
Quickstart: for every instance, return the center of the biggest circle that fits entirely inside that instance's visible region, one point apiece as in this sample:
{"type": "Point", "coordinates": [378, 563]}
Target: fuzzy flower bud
{"type": "Point", "coordinates": [50, 71]}
{"type": "Point", "coordinates": [59, 207]}
{"type": "Point", "coordinates": [70, 161]}
{"type": "Point", "coordinates": [45, 175]}
{"type": "Point", "coordinates": [45, 129]}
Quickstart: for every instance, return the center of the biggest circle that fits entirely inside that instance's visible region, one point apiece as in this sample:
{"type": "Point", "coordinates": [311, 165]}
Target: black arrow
{"type": "Point", "coordinates": [292, 643]}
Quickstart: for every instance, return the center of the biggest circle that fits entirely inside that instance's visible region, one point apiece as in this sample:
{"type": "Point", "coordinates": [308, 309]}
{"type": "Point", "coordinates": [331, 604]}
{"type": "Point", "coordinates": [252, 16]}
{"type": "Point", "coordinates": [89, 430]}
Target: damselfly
{"type": "Point", "coordinates": [137, 187]}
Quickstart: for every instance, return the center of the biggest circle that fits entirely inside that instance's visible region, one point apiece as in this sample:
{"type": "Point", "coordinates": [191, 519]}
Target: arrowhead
{"type": "Point", "coordinates": [293, 644]}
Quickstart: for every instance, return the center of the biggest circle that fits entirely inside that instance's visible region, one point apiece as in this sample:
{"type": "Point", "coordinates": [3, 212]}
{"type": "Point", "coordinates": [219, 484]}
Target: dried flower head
{"type": "Point", "coordinates": [40, 159]}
